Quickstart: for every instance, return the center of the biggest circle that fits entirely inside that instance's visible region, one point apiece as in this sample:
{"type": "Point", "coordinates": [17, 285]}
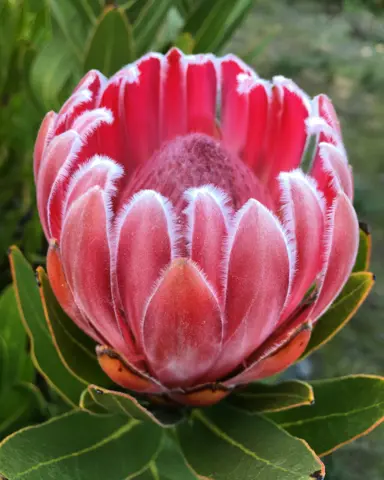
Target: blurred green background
{"type": "Point", "coordinates": [336, 47]}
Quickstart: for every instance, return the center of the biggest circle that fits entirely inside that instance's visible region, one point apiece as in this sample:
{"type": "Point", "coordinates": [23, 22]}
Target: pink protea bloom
{"type": "Point", "coordinates": [184, 237]}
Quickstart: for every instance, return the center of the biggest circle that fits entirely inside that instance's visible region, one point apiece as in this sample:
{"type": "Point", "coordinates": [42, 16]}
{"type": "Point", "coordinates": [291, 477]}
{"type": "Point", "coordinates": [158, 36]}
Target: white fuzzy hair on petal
{"type": "Point", "coordinates": [171, 218]}
{"type": "Point", "coordinates": [328, 239]}
{"type": "Point", "coordinates": [86, 123]}
{"type": "Point", "coordinates": [280, 80]}
{"type": "Point", "coordinates": [115, 171]}
{"type": "Point", "coordinates": [199, 59]}
{"type": "Point", "coordinates": [289, 226]}
{"type": "Point", "coordinates": [230, 57]}
{"type": "Point", "coordinates": [327, 167]}
{"type": "Point", "coordinates": [191, 195]}
{"type": "Point", "coordinates": [64, 171]}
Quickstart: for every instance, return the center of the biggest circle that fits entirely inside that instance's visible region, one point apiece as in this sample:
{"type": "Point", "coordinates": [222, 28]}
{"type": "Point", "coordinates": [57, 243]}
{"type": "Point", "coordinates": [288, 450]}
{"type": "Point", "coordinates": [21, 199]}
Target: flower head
{"type": "Point", "coordinates": [184, 237]}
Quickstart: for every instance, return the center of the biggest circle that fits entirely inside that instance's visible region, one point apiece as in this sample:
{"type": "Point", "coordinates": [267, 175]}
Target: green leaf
{"type": "Point", "coordinates": [75, 348]}
{"type": "Point", "coordinates": [212, 23]}
{"type": "Point", "coordinates": [13, 340]}
{"type": "Point", "coordinates": [170, 463]}
{"type": "Point", "coordinates": [364, 254]}
{"type": "Point", "coordinates": [80, 445]}
{"type": "Point", "coordinates": [52, 69]}
{"type": "Point", "coordinates": [73, 27]}
{"type": "Point", "coordinates": [262, 397]}
{"type": "Point", "coordinates": [19, 406]}
{"type": "Point", "coordinates": [124, 404]}
{"type": "Point", "coordinates": [224, 443]}
{"type": "Point", "coordinates": [345, 408]}
{"type": "Point", "coordinates": [148, 23]}
{"type": "Point", "coordinates": [352, 296]}
{"type": "Point", "coordinates": [111, 44]}
{"type": "Point", "coordinates": [43, 352]}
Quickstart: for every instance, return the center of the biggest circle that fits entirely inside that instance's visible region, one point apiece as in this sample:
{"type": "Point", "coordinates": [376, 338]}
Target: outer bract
{"type": "Point", "coordinates": [184, 237]}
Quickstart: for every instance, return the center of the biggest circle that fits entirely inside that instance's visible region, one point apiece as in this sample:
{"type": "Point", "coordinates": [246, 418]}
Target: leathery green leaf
{"type": "Point", "coordinates": [352, 296]}
{"type": "Point", "coordinates": [20, 405]}
{"type": "Point", "coordinates": [345, 408]}
{"type": "Point", "coordinates": [43, 352]}
{"type": "Point", "coordinates": [111, 44]}
{"type": "Point", "coordinates": [224, 443]}
{"type": "Point", "coordinates": [262, 397]}
{"type": "Point", "coordinates": [94, 446]}
{"type": "Point", "coordinates": [364, 253]}
{"type": "Point", "coordinates": [76, 349]}
{"type": "Point", "coordinates": [14, 358]}
{"type": "Point", "coordinates": [121, 403]}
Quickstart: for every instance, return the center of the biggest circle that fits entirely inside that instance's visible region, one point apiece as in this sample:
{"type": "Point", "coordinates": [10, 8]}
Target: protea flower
{"type": "Point", "coordinates": [184, 237]}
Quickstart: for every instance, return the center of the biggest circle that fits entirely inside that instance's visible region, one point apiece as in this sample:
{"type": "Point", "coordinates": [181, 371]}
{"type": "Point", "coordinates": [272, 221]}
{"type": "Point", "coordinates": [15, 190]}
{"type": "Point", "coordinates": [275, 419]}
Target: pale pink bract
{"type": "Point", "coordinates": [184, 237]}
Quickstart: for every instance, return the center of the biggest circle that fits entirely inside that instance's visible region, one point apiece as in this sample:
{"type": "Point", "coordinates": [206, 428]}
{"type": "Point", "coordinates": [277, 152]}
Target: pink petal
{"type": "Point", "coordinates": [257, 287]}
{"type": "Point", "coordinates": [173, 113]}
{"type": "Point", "coordinates": [42, 141]}
{"type": "Point", "coordinates": [85, 254]}
{"type": "Point", "coordinates": [340, 250]}
{"type": "Point", "coordinates": [236, 79]}
{"type": "Point", "coordinates": [303, 218]}
{"type": "Point", "coordinates": [257, 123]}
{"type": "Point", "coordinates": [145, 244]}
{"type": "Point", "coordinates": [140, 98]}
{"type": "Point", "coordinates": [64, 294]}
{"type": "Point", "coordinates": [208, 219]}
{"type": "Point", "coordinates": [83, 98]}
{"type": "Point", "coordinates": [325, 110]}
{"type": "Point", "coordinates": [99, 171]}
{"type": "Point", "coordinates": [201, 94]}
{"type": "Point", "coordinates": [62, 150]}
{"type": "Point", "coordinates": [330, 168]}
{"type": "Point", "coordinates": [87, 126]}
{"type": "Point", "coordinates": [182, 330]}
{"type": "Point", "coordinates": [287, 131]}
{"type": "Point", "coordinates": [110, 138]}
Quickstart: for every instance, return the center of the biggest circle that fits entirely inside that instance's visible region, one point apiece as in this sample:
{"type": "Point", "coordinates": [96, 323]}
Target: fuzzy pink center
{"type": "Point", "coordinates": [195, 160]}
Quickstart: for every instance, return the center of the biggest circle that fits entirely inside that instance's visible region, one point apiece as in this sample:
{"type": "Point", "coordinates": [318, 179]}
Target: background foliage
{"type": "Point", "coordinates": [335, 47]}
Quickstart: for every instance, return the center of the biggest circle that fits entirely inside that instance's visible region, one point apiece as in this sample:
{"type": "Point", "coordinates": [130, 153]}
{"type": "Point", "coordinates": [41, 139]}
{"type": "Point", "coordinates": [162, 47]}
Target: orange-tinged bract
{"type": "Point", "coordinates": [184, 237]}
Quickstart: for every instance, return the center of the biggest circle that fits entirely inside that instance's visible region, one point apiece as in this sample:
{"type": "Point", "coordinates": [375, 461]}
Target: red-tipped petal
{"type": "Point", "coordinates": [83, 98]}
{"type": "Point", "coordinates": [145, 243]}
{"type": "Point", "coordinates": [201, 94]}
{"type": "Point", "coordinates": [287, 130]}
{"type": "Point", "coordinates": [303, 218]}
{"type": "Point", "coordinates": [235, 80]}
{"type": "Point", "coordinates": [43, 138]}
{"type": "Point", "coordinates": [140, 101]}
{"type": "Point", "coordinates": [293, 131]}
{"type": "Point", "coordinates": [86, 260]}
{"type": "Point", "coordinates": [182, 330]}
{"type": "Point", "coordinates": [173, 96]}
{"type": "Point", "coordinates": [326, 110]}
{"type": "Point", "coordinates": [110, 139]}
{"type": "Point", "coordinates": [331, 170]}
{"type": "Point", "coordinates": [63, 293]}
{"type": "Point", "coordinates": [61, 151]}
{"type": "Point", "coordinates": [86, 129]}
{"type": "Point", "coordinates": [208, 219]}
{"type": "Point", "coordinates": [258, 278]}
{"type": "Point", "coordinates": [341, 244]}
{"type": "Point", "coordinates": [257, 123]}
